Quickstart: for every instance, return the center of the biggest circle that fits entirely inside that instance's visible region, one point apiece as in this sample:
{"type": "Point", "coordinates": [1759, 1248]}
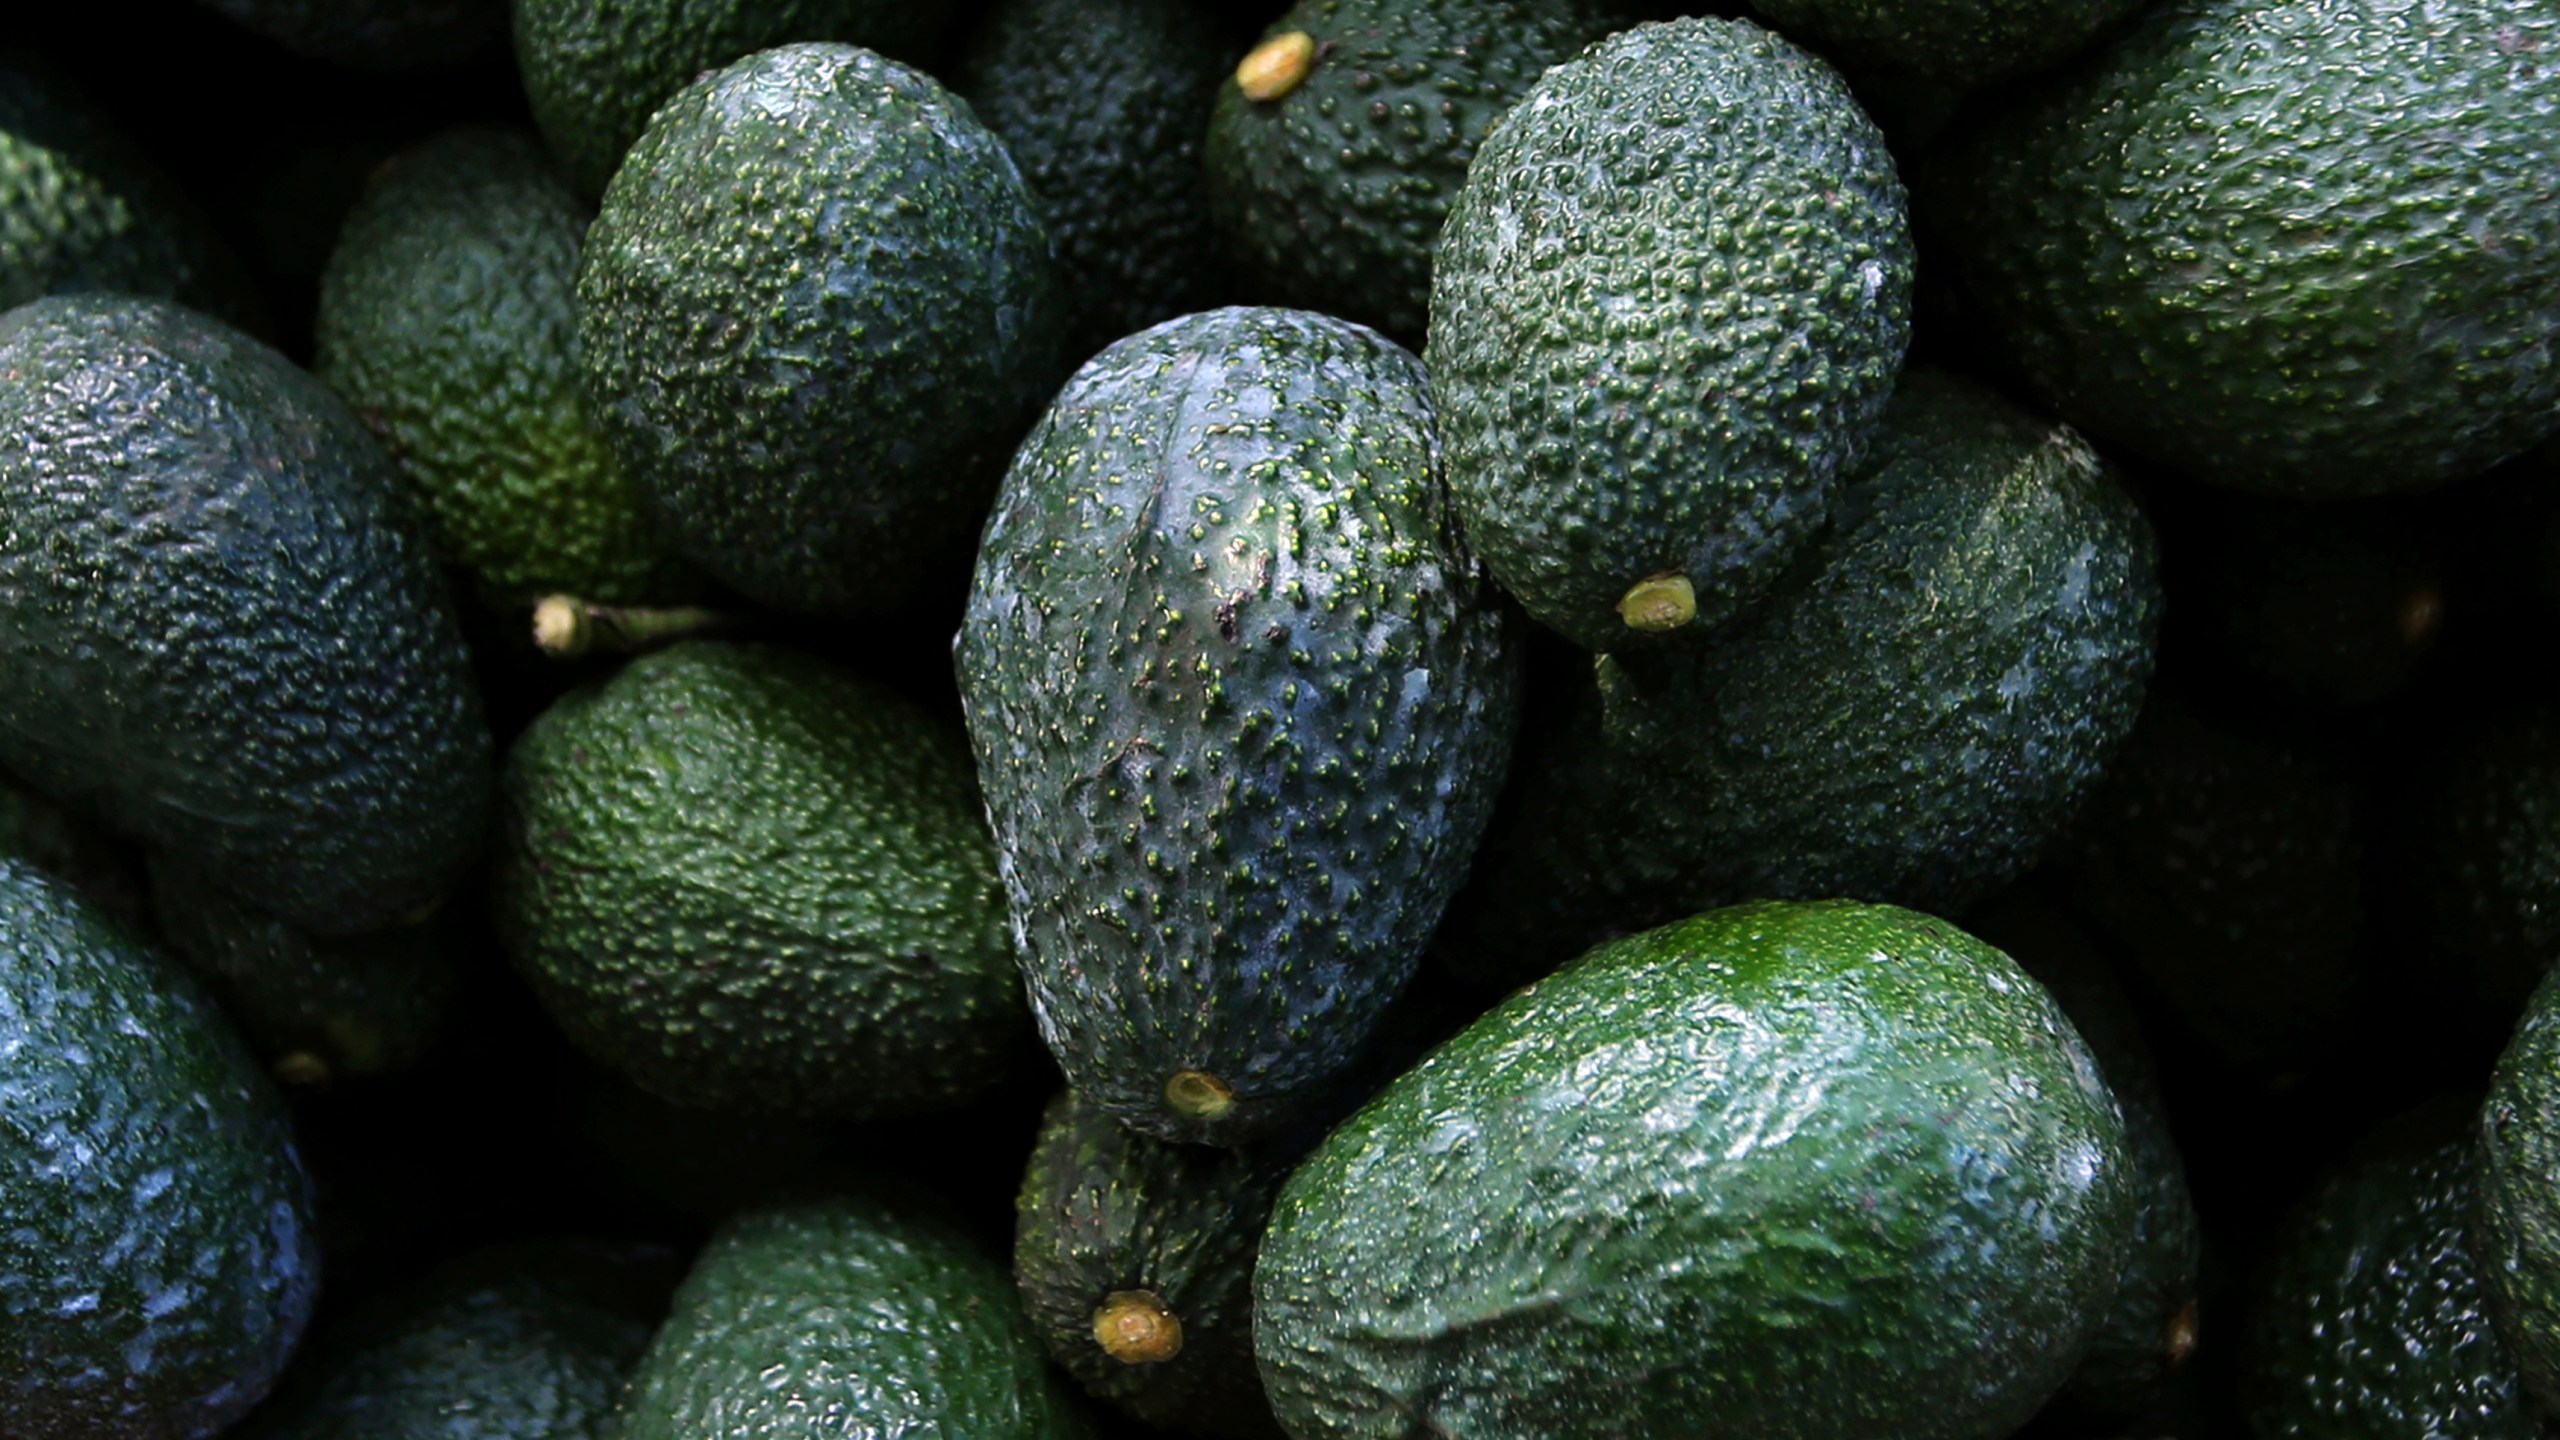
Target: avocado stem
{"type": "Point", "coordinates": [567, 628]}
{"type": "Point", "coordinates": [1276, 66]}
{"type": "Point", "coordinates": [1659, 602]}
{"type": "Point", "coordinates": [1198, 1095]}
{"type": "Point", "coordinates": [1134, 1328]}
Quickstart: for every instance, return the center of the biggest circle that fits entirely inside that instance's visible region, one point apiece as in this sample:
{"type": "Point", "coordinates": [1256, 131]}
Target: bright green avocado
{"type": "Point", "coordinates": [1241, 700]}
{"type": "Point", "coordinates": [223, 631]}
{"type": "Point", "coordinates": [845, 1319]}
{"type": "Point", "coordinates": [448, 320]}
{"type": "Point", "coordinates": [2303, 247]}
{"type": "Point", "coordinates": [815, 313]}
{"type": "Point", "coordinates": [1668, 308]}
{"type": "Point", "coordinates": [1818, 1171]}
{"type": "Point", "coordinates": [2517, 1233]}
{"type": "Point", "coordinates": [750, 881]}
{"type": "Point", "coordinates": [1962, 43]}
{"type": "Point", "coordinates": [158, 1264]}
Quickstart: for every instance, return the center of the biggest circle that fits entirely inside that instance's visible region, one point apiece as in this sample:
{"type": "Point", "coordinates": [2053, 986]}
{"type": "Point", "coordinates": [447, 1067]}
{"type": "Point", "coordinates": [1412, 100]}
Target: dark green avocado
{"type": "Point", "coordinates": [2489, 851]}
{"type": "Point", "coordinates": [1103, 103]}
{"type": "Point", "coordinates": [2371, 1322]}
{"type": "Point", "coordinates": [1332, 191]}
{"type": "Point", "coordinates": [2302, 247]}
{"type": "Point", "coordinates": [372, 34]}
{"type": "Point", "coordinates": [815, 313]}
{"type": "Point", "coordinates": [1240, 700]}
{"type": "Point", "coordinates": [1960, 43]}
{"type": "Point", "coordinates": [223, 631]}
{"type": "Point", "coordinates": [845, 1319]}
{"type": "Point", "coordinates": [750, 881]}
{"type": "Point", "coordinates": [1817, 1171]}
{"type": "Point", "coordinates": [448, 320]}
{"type": "Point", "coordinates": [2517, 1231]}
{"type": "Point", "coordinates": [594, 70]}
{"type": "Point", "coordinates": [158, 1264]}
{"type": "Point", "coordinates": [1669, 306]}
{"type": "Point", "coordinates": [1134, 1260]}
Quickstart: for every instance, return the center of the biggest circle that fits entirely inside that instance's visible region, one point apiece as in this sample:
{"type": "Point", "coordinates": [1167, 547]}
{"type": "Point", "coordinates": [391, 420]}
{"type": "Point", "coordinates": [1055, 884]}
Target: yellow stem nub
{"type": "Point", "coordinates": [2420, 613]}
{"type": "Point", "coordinates": [1658, 603]}
{"type": "Point", "coordinates": [568, 628]}
{"type": "Point", "coordinates": [1134, 1328]}
{"type": "Point", "coordinates": [1276, 66]}
{"type": "Point", "coordinates": [2182, 1335]}
{"type": "Point", "coordinates": [301, 1069]}
{"type": "Point", "coordinates": [1198, 1095]}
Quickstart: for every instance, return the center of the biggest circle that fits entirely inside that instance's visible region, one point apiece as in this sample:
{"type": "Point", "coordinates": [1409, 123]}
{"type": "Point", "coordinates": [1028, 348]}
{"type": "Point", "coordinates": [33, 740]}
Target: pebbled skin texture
{"type": "Point", "coordinates": [2517, 1232]}
{"type": "Point", "coordinates": [82, 209]}
{"type": "Point", "coordinates": [2371, 1323]}
{"type": "Point", "coordinates": [1911, 717]}
{"type": "Point", "coordinates": [1102, 1211]}
{"type": "Point", "coordinates": [1333, 196]}
{"type": "Point", "coordinates": [158, 1263]}
{"type": "Point", "coordinates": [371, 34]}
{"type": "Point", "coordinates": [1669, 306]}
{"type": "Point", "coordinates": [1241, 702]}
{"type": "Point", "coordinates": [448, 320]}
{"type": "Point", "coordinates": [1960, 43]}
{"type": "Point", "coordinates": [1103, 104]}
{"type": "Point", "coordinates": [366, 1004]}
{"type": "Point", "coordinates": [595, 70]}
{"type": "Point", "coordinates": [1786, 1171]}
{"type": "Point", "coordinates": [750, 881]}
{"type": "Point", "coordinates": [815, 312]}
{"type": "Point", "coordinates": [2490, 855]}
{"type": "Point", "coordinates": [846, 1319]}
{"type": "Point", "coordinates": [2303, 247]}
{"type": "Point", "coordinates": [220, 625]}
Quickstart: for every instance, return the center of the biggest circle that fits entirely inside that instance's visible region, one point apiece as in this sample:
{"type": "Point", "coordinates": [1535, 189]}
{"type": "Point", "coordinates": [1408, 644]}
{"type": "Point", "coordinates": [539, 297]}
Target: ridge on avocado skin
{"type": "Point", "coordinates": [2230, 243]}
{"type": "Point", "coordinates": [1240, 702]}
{"type": "Point", "coordinates": [224, 632]}
{"type": "Point", "coordinates": [159, 1263]}
{"type": "Point", "coordinates": [1668, 308]}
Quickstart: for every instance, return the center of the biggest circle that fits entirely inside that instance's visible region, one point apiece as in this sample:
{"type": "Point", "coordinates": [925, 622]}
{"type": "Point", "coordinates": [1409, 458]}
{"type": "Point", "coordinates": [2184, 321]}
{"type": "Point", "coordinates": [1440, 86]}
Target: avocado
{"type": "Point", "coordinates": [851, 1318]}
{"type": "Point", "coordinates": [2229, 243]}
{"type": "Point", "coordinates": [2371, 1319]}
{"type": "Point", "coordinates": [2517, 1231]}
{"type": "Point", "coordinates": [751, 881]}
{"type": "Point", "coordinates": [1240, 700]}
{"type": "Point", "coordinates": [1960, 43]}
{"type": "Point", "coordinates": [223, 630]}
{"type": "Point", "coordinates": [1804, 1171]}
{"type": "Point", "coordinates": [158, 1265]}
{"type": "Point", "coordinates": [2489, 848]}
{"type": "Point", "coordinates": [1103, 104]}
{"type": "Point", "coordinates": [1336, 149]}
{"type": "Point", "coordinates": [594, 70]}
{"type": "Point", "coordinates": [372, 34]}
{"type": "Point", "coordinates": [82, 209]}
{"type": "Point", "coordinates": [518, 1342]}
{"type": "Point", "coordinates": [1669, 306]}
{"type": "Point", "coordinates": [315, 1007]}
{"type": "Point", "coordinates": [1134, 1260]}
{"type": "Point", "coordinates": [1911, 716]}
{"type": "Point", "coordinates": [815, 313]}
{"type": "Point", "coordinates": [448, 320]}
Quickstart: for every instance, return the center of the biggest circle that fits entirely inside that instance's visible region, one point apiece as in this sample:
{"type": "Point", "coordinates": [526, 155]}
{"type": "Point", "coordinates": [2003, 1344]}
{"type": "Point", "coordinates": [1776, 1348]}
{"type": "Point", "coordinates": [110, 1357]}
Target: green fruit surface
{"type": "Point", "coordinates": [2517, 1230]}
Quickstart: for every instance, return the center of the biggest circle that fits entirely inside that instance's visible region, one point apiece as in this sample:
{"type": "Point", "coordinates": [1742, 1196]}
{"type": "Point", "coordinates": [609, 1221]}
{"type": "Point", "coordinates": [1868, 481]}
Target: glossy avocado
{"type": "Point", "coordinates": [815, 313]}
{"type": "Point", "coordinates": [159, 1264]}
{"type": "Point", "coordinates": [223, 630]}
{"type": "Point", "coordinates": [1240, 700]}
{"type": "Point", "coordinates": [2517, 1229]}
{"type": "Point", "coordinates": [1784, 1170]}
{"type": "Point", "coordinates": [1668, 308]}
{"type": "Point", "coordinates": [2224, 243]}
{"type": "Point", "coordinates": [372, 34]}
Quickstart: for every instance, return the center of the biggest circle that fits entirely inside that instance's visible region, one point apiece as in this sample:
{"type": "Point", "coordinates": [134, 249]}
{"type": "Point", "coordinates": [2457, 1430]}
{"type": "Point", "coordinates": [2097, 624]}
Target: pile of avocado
{"type": "Point", "coordinates": [1280, 720]}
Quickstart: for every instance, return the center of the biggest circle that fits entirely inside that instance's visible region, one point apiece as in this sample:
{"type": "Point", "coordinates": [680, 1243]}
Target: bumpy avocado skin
{"type": "Point", "coordinates": [2517, 1232]}
{"type": "Point", "coordinates": [1802, 1171]}
{"type": "Point", "coordinates": [1962, 43]}
{"type": "Point", "coordinates": [1669, 306]}
{"type": "Point", "coordinates": [1332, 195]}
{"type": "Point", "coordinates": [750, 881]}
{"type": "Point", "coordinates": [1102, 1212]}
{"type": "Point", "coordinates": [1241, 701]}
{"type": "Point", "coordinates": [1103, 103]}
{"type": "Point", "coordinates": [815, 313]}
{"type": "Point", "coordinates": [448, 320]}
{"type": "Point", "coordinates": [372, 34]}
{"type": "Point", "coordinates": [2491, 855]}
{"type": "Point", "coordinates": [2371, 1321]}
{"type": "Point", "coordinates": [223, 629]}
{"type": "Point", "coordinates": [2302, 248]}
{"type": "Point", "coordinates": [158, 1265]}
{"type": "Point", "coordinates": [594, 70]}
{"type": "Point", "coordinates": [82, 209]}
{"type": "Point", "coordinates": [846, 1319]}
